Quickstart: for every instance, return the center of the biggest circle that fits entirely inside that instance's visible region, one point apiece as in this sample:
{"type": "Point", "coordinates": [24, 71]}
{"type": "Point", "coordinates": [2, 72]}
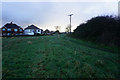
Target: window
{"type": "Point", "coordinates": [31, 30]}
{"type": "Point", "coordinates": [3, 29]}
{"type": "Point", "coordinates": [4, 34]}
{"type": "Point", "coordinates": [15, 30]}
{"type": "Point", "coordinates": [8, 29]}
{"type": "Point", "coordinates": [8, 34]}
{"type": "Point", "coordinates": [20, 30]}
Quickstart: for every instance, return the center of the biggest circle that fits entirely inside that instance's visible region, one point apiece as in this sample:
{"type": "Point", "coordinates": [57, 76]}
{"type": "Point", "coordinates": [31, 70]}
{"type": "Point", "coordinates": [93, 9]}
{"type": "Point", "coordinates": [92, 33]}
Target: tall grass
{"type": "Point", "coordinates": [56, 57]}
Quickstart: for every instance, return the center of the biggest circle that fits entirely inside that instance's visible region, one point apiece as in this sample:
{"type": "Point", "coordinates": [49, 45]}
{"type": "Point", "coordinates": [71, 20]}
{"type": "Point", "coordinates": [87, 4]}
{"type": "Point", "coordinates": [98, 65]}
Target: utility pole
{"type": "Point", "coordinates": [70, 22]}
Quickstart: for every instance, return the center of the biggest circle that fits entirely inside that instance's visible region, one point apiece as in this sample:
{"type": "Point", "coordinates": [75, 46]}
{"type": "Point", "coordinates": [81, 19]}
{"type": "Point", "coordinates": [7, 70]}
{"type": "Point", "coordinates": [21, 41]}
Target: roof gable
{"type": "Point", "coordinates": [11, 25]}
{"type": "Point", "coordinates": [32, 27]}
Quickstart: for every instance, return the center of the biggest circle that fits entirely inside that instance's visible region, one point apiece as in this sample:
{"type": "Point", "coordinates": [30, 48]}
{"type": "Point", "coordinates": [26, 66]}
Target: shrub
{"type": "Point", "coordinates": [101, 29]}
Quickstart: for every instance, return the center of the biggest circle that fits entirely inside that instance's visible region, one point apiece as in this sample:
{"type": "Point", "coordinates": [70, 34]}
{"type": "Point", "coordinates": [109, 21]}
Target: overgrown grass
{"type": "Point", "coordinates": [101, 46]}
{"type": "Point", "coordinates": [56, 56]}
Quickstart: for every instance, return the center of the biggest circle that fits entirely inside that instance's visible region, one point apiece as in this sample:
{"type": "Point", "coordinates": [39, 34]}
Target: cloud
{"type": "Point", "coordinates": [25, 12]}
{"type": "Point", "coordinates": [50, 14]}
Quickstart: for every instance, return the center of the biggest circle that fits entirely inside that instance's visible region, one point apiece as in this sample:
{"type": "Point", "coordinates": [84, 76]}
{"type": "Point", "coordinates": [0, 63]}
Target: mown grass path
{"type": "Point", "coordinates": [56, 56]}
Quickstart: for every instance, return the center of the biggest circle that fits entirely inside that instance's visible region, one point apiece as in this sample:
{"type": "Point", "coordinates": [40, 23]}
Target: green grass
{"type": "Point", "coordinates": [56, 56]}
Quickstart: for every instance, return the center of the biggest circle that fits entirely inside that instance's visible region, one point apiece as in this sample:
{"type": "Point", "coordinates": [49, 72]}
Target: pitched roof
{"type": "Point", "coordinates": [11, 25]}
{"type": "Point", "coordinates": [32, 27]}
{"type": "Point", "coordinates": [47, 31]}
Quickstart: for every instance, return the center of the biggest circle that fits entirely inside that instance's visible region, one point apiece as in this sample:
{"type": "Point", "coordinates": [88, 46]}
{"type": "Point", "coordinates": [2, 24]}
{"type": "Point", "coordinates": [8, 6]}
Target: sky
{"type": "Point", "coordinates": [48, 14]}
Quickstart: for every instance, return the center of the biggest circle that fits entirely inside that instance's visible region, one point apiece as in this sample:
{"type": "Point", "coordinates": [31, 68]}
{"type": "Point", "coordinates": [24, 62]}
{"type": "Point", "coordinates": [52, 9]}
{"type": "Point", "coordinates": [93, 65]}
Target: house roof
{"type": "Point", "coordinates": [32, 27]}
{"type": "Point", "coordinates": [11, 25]}
{"type": "Point", "coordinates": [47, 31]}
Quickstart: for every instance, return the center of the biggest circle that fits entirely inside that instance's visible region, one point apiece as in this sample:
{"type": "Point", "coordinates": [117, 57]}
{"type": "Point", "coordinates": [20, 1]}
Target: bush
{"type": "Point", "coordinates": [101, 29]}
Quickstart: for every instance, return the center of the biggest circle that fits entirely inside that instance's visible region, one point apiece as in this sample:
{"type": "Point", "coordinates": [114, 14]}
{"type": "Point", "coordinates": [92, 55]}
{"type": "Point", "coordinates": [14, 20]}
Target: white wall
{"type": "Point", "coordinates": [28, 32]}
{"type": "Point", "coordinates": [31, 31]}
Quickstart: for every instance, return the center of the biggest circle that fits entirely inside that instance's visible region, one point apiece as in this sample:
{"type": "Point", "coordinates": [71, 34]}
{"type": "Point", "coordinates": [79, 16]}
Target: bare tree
{"type": "Point", "coordinates": [57, 28]}
{"type": "Point", "coordinates": [67, 29]}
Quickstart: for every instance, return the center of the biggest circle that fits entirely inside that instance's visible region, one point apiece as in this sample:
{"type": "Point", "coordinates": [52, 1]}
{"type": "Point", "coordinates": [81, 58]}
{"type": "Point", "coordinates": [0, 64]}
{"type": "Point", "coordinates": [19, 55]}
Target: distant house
{"type": "Point", "coordinates": [11, 29]}
{"type": "Point", "coordinates": [32, 30]}
{"type": "Point", "coordinates": [57, 32]}
{"type": "Point", "coordinates": [47, 32]}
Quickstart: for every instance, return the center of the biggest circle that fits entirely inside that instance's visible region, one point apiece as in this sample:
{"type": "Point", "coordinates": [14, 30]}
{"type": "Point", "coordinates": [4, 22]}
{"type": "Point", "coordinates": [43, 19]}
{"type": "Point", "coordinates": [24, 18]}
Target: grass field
{"type": "Point", "coordinates": [56, 56]}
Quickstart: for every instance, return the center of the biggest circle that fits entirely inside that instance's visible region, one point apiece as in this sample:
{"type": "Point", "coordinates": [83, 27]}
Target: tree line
{"type": "Point", "coordinates": [100, 29]}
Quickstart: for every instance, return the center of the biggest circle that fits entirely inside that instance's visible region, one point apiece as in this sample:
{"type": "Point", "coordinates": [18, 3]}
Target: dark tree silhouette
{"type": "Point", "coordinates": [101, 29]}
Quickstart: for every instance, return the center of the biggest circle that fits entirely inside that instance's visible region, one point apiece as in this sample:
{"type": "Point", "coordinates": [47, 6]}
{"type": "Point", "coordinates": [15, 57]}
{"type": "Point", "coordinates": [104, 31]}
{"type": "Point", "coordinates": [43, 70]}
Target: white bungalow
{"type": "Point", "coordinates": [32, 30]}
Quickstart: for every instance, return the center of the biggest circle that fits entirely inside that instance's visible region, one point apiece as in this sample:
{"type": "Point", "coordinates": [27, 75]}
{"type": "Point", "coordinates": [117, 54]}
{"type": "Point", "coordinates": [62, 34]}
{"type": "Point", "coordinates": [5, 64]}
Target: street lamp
{"type": "Point", "coordinates": [70, 22]}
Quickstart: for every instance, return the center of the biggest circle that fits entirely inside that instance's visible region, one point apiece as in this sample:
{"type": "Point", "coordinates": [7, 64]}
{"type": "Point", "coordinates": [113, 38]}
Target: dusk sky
{"type": "Point", "coordinates": [47, 15]}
